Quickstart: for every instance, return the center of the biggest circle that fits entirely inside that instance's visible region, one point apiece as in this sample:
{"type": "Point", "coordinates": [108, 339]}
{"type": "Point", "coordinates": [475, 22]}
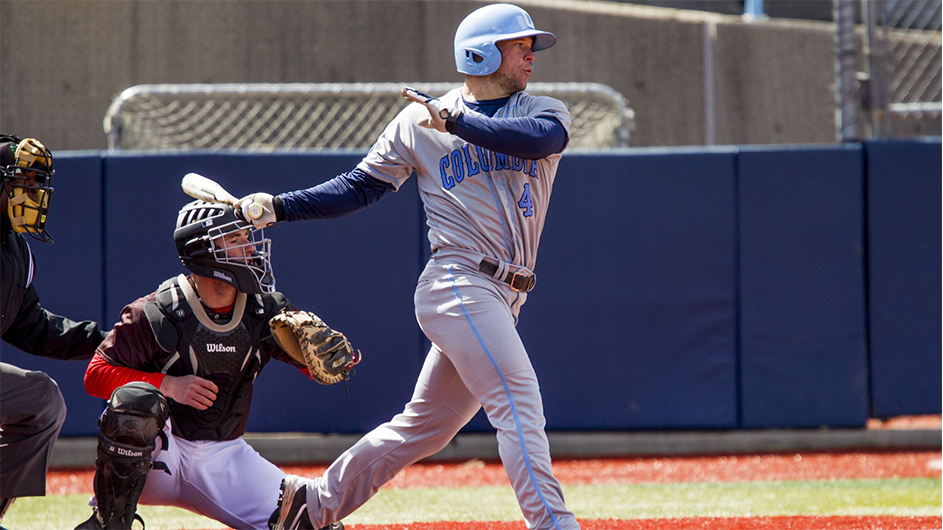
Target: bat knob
{"type": "Point", "coordinates": [254, 211]}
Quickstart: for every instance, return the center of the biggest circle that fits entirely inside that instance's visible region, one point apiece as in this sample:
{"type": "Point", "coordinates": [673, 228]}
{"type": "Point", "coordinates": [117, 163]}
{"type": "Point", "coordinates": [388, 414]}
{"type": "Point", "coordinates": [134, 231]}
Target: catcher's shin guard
{"type": "Point", "coordinates": [130, 426]}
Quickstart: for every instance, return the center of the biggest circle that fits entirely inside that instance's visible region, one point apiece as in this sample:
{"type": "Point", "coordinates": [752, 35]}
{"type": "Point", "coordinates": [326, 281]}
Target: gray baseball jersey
{"type": "Point", "coordinates": [474, 199]}
{"type": "Point", "coordinates": [479, 204]}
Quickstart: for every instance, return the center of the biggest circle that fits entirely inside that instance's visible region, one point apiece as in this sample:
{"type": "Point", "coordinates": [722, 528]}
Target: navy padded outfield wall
{"type": "Point", "coordinates": [802, 331]}
{"type": "Point", "coordinates": [677, 289]}
{"type": "Point", "coordinates": [68, 278]}
{"type": "Point", "coordinates": [904, 276]}
{"type": "Point", "coordinates": [632, 323]}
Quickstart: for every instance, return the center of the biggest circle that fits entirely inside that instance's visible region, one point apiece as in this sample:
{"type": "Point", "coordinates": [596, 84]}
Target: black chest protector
{"type": "Point", "coordinates": [228, 354]}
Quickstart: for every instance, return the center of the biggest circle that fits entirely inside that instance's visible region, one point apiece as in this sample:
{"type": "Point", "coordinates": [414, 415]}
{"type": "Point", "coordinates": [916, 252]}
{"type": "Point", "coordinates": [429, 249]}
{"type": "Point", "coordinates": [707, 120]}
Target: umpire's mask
{"type": "Point", "coordinates": [26, 167]}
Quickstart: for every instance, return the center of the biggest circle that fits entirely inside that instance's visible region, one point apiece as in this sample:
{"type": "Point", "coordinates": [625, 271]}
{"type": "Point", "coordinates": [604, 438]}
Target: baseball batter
{"type": "Point", "coordinates": [486, 155]}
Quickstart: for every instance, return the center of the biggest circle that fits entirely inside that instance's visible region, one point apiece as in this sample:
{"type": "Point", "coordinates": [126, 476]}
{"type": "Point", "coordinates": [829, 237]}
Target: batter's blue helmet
{"type": "Point", "coordinates": [476, 52]}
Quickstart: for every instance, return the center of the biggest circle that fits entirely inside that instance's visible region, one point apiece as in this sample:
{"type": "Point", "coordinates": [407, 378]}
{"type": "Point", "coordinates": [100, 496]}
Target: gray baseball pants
{"type": "Point", "coordinates": [477, 359]}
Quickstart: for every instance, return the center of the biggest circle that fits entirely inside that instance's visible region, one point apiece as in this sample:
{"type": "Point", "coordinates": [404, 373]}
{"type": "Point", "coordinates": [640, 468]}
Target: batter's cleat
{"type": "Point", "coordinates": [292, 511]}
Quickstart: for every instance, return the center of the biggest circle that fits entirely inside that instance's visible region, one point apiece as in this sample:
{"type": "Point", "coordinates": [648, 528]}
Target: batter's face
{"type": "Point", "coordinates": [517, 63]}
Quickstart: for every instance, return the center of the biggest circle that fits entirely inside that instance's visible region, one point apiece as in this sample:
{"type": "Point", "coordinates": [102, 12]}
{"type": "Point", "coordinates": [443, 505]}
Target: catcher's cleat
{"type": "Point", "coordinates": [5, 503]}
{"type": "Point", "coordinates": [292, 511]}
{"type": "Point", "coordinates": [92, 523]}
{"type": "Point", "coordinates": [95, 523]}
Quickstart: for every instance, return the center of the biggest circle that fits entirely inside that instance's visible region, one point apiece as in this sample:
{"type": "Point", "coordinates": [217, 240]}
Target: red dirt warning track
{"type": "Point", "coordinates": [696, 523]}
{"type": "Point", "coordinates": [807, 466]}
{"type": "Point", "coordinates": [810, 466]}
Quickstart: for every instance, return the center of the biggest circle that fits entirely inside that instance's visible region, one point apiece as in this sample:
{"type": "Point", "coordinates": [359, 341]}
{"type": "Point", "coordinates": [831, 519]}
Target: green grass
{"type": "Point", "coordinates": [902, 497]}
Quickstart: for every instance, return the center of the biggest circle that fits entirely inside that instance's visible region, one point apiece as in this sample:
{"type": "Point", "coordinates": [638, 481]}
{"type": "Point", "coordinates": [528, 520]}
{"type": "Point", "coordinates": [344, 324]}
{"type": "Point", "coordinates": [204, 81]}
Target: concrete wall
{"type": "Point", "coordinates": [773, 80]}
{"type": "Point", "coordinates": [801, 9]}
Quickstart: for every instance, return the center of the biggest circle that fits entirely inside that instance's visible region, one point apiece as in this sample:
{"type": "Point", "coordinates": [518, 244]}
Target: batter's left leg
{"type": "Point", "coordinates": [440, 406]}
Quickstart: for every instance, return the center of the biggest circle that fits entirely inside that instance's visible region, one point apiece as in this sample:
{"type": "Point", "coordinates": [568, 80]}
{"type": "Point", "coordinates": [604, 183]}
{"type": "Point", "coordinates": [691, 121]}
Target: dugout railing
{"type": "Point", "coordinates": [324, 116]}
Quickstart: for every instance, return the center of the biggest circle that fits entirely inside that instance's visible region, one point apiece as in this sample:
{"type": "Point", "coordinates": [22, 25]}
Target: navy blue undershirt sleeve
{"type": "Point", "coordinates": [342, 195]}
{"type": "Point", "coordinates": [529, 138]}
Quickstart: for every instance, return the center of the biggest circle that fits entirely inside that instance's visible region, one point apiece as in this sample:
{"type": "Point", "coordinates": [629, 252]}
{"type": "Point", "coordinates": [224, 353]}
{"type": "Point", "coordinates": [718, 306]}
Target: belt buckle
{"type": "Point", "coordinates": [528, 281]}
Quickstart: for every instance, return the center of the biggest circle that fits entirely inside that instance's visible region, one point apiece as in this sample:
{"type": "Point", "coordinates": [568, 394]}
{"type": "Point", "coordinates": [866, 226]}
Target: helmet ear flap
{"type": "Point", "coordinates": [483, 59]}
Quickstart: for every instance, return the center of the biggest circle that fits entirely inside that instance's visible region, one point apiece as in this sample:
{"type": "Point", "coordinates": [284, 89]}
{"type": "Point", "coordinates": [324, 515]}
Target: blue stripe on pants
{"type": "Point", "coordinates": [507, 390]}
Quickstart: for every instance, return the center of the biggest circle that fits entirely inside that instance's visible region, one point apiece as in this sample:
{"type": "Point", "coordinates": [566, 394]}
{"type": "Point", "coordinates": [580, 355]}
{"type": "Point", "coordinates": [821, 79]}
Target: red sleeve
{"type": "Point", "coordinates": [125, 355]}
{"type": "Point", "coordinates": [101, 378]}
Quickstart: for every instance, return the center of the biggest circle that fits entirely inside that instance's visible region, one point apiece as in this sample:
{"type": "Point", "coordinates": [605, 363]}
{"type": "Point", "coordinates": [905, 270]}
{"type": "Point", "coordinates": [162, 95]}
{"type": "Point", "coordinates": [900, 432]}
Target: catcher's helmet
{"type": "Point", "coordinates": [476, 51]}
{"type": "Point", "coordinates": [202, 244]}
{"type": "Point", "coordinates": [27, 165]}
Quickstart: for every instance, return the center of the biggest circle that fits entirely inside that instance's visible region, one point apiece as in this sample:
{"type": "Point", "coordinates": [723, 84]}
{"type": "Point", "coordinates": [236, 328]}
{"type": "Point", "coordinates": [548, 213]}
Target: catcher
{"type": "Point", "coordinates": [178, 371]}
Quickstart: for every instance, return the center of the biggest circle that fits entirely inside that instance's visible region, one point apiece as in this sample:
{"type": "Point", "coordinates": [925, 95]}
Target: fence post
{"type": "Point", "coordinates": [847, 113]}
{"type": "Point", "coordinates": [710, 99]}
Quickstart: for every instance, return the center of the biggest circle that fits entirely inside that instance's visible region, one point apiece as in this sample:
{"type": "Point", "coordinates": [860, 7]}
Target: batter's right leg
{"type": "Point", "coordinates": [440, 406]}
{"type": "Point", "coordinates": [470, 319]}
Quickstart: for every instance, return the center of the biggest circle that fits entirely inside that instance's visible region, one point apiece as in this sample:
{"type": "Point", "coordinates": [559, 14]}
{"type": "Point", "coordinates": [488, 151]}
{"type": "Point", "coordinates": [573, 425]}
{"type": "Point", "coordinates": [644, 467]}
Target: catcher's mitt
{"type": "Point", "coordinates": [327, 353]}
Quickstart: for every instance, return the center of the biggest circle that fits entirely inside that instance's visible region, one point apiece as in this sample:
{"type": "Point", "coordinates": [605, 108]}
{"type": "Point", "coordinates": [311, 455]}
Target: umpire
{"type": "Point", "coordinates": [31, 407]}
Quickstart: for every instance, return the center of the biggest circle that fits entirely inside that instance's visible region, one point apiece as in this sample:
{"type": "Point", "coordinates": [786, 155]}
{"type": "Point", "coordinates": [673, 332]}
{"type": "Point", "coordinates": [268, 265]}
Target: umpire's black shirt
{"type": "Point", "coordinates": [24, 323]}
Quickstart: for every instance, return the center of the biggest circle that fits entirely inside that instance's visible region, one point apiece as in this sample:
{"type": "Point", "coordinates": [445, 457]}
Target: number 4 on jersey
{"type": "Point", "coordinates": [526, 202]}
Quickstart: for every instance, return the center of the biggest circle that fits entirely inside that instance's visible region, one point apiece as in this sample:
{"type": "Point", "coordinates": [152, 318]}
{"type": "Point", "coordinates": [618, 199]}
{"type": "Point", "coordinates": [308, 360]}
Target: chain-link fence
{"type": "Point", "coordinates": [909, 32]}
{"type": "Point", "coordinates": [268, 117]}
{"type": "Point", "coordinates": [899, 91]}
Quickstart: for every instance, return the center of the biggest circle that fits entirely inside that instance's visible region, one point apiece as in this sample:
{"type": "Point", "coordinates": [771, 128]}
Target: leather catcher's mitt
{"type": "Point", "coordinates": [327, 353]}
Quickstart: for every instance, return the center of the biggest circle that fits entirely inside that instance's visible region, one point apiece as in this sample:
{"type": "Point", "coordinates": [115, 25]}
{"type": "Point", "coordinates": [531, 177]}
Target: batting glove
{"type": "Point", "coordinates": [257, 209]}
{"type": "Point", "coordinates": [440, 117]}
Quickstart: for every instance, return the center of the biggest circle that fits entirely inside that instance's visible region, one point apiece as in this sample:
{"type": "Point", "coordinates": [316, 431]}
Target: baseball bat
{"type": "Point", "coordinates": [200, 187]}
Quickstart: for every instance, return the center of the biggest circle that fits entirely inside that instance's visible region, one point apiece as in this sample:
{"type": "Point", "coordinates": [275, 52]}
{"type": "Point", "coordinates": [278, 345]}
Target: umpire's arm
{"type": "Point", "coordinates": [45, 334]}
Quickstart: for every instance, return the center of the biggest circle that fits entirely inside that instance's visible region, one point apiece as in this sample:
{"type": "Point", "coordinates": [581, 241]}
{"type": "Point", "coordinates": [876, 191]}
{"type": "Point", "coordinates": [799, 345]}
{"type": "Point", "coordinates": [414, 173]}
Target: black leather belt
{"type": "Point", "coordinates": [518, 282]}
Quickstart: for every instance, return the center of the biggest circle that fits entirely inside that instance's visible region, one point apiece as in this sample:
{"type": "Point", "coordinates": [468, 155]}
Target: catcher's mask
{"type": "Point", "coordinates": [212, 242]}
{"type": "Point", "coordinates": [26, 166]}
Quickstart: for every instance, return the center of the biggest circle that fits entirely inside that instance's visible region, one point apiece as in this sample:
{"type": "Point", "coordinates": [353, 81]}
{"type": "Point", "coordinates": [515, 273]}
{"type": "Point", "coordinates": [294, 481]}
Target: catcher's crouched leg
{"type": "Point", "coordinates": [130, 427]}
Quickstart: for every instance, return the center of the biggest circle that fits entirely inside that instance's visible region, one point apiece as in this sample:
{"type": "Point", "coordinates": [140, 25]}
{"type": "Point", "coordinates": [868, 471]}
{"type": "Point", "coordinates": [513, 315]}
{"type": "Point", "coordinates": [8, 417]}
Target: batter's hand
{"type": "Point", "coordinates": [437, 111]}
{"type": "Point", "coordinates": [264, 200]}
{"type": "Point", "coordinates": [190, 390]}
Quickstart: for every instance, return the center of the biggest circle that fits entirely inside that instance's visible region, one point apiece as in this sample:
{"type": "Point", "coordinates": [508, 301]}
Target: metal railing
{"type": "Point", "coordinates": [335, 116]}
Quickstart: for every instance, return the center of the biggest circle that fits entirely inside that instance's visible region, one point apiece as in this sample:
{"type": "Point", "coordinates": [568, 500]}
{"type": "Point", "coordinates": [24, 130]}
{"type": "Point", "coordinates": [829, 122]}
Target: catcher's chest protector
{"type": "Point", "coordinates": [228, 354]}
